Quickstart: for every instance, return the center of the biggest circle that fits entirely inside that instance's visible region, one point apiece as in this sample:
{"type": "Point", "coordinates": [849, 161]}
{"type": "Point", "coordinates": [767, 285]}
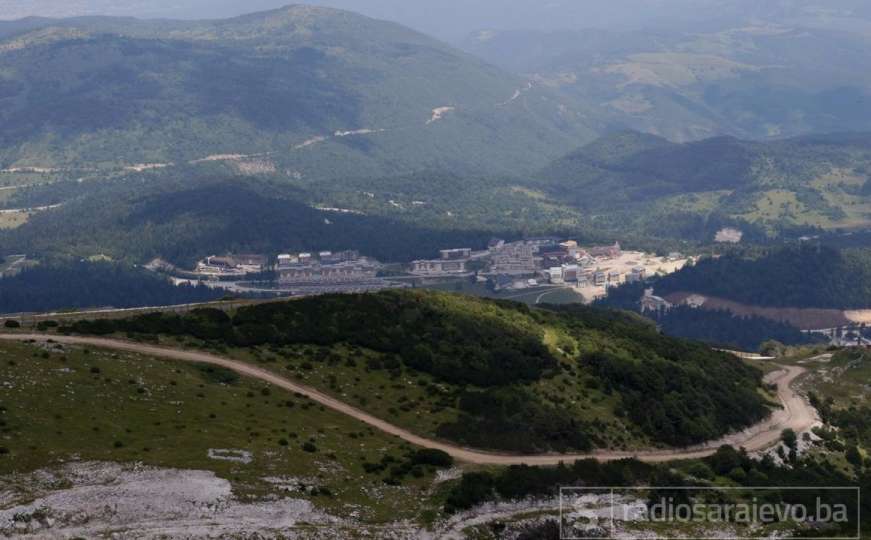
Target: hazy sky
{"type": "Point", "coordinates": [455, 19]}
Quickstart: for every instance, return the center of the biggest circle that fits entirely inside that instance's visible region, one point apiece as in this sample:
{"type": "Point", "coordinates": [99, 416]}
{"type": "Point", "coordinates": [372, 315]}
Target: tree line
{"type": "Point", "coordinates": [491, 354]}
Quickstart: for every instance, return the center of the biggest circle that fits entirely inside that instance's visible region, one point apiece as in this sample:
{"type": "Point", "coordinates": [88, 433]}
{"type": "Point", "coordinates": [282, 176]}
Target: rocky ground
{"type": "Point", "coordinates": [133, 501]}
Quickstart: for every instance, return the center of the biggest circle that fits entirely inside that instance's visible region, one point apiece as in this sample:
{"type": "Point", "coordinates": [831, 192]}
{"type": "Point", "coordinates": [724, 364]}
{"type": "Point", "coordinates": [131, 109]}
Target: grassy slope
{"type": "Point", "coordinates": [804, 276]}
{"type": "Point", "coordinates": [708, 81]}
{"type": "Point", "coordinates": [110, 92]}
{"type": "Point", "coordinates": [810, 181]}
{"type": "Point", "coordinates": [418, 358]}
{"type": "Point", "coordinates": [56, 406]}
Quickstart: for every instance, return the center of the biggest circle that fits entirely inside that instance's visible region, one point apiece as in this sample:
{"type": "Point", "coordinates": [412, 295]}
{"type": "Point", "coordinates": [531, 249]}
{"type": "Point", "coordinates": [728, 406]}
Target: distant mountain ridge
{"type": "Point", "coordinates": [306, 90]}
{"type": "Point", "coordinates": [777, 71]}
{"type": "Point", "coordinates": [812, 181]}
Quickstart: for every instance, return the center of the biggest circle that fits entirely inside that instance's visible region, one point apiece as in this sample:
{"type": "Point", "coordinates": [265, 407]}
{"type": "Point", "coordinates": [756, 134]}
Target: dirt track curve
{"type": "Point", "coordinates": [796, 413]}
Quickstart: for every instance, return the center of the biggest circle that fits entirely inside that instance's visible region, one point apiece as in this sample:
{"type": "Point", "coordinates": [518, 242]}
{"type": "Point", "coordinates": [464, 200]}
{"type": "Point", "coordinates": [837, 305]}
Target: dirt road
{"type": "Point", "coordinates": [796, 413]}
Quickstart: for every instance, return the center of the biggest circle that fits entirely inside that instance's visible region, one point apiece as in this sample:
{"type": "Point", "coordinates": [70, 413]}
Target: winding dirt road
{"type": "Point", "coordinates": [796, 413]}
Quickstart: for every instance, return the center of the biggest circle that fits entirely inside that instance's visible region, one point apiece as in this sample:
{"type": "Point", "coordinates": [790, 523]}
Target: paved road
{"type": "Point", "coordinates": [796, 413]}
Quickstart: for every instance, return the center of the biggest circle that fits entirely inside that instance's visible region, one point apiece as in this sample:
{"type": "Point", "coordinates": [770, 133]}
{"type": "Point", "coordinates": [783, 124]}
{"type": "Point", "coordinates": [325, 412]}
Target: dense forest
{"type": "Point", "coordinates": [182, 223]}
{"type": "Point", "coordinates": [804, 276]}
{"type": "Point", "coordinates": [727, 466]}
{"type": "Point", "coordinates": [115, 91]}
{"type": "Point", "coordinates": [772, 188]}
{"type": "Point", "coordinates": [717, 327]}
{"type": "Point", "coordinates": [720, 327]}
{"type": "Point", "coordinates": [500, 357]}
{"type": "Point", "coordinates": [844, 433]}
{"type": "Point", "coordinates": [86, 285]}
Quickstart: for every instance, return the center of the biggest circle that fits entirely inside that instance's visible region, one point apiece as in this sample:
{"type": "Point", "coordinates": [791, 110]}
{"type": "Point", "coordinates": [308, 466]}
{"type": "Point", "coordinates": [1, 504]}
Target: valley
{"type": "Point", "coordinates": [253, 467]}
{"type": "Point", "coordinates": [490, 270]}
{"type": "Point", "coordinates": [796, 412]}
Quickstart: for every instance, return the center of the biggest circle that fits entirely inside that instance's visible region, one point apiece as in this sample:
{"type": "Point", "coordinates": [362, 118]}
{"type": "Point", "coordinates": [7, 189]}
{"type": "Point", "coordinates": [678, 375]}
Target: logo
{"type": "Point", "coordinates": [710, 512]}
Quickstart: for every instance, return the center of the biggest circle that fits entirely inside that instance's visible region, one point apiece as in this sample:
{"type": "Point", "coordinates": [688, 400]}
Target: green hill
{"type": "Point", "coordinates": [70, 406]}
{"type": "Point", "coordinates": [649, 183]}
{"type": "Point", "coordinates": [484, 373]}
{"type": "Point", "coordinates": [184, 218]}
{"type": "Point", "coordinates": [299, 90]}
{"type": "Point", "coordinates": [768, 75]}
{"type": "Point", "coordinates": [806, 276]}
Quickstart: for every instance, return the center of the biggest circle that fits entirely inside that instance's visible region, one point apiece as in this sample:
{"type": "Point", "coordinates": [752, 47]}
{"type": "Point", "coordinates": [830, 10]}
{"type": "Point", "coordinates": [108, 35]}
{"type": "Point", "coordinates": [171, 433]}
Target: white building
{"type": "Point", "coordinates": [555, 275]}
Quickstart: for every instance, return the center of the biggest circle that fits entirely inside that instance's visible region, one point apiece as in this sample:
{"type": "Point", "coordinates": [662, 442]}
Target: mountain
{"type": "Point", "coordinates": [638, 188]}
{"type": "Point", "coordinates": [763, 188]}
{"type": "Point", "coordinates": [489, 374]}
{"type": "Point", "coordinates": [82, 284]}
{"type": "Point", "coordinates": [455, 19]}
{"type": "Point", "coordinates": [829, 278]}
{"type": "Point", "coordinates": [299, 91]}
{"type": "Point", "coordinates": [772, 73]}
{"type": "Point", "coordinates": [184, 218]}
{"type": "Point", "coordinates": [750, 296]}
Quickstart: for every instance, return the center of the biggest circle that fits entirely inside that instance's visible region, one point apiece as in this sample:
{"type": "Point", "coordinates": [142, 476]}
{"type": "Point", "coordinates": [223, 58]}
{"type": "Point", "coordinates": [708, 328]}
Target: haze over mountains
{"type": "Point", "coordinates": [455, 19]}
{"type": "Point", "coordinates": [817, 181]}
{"type": "Point", "coordinates": [330, 109]}
{"type": "Point", "coordinates": [304, 85]}
{"type": "Point", "coordinates": [683, 70]}
{"type": "Point", "coordinates": [220, 223]}
{"type": "Point", "coordinates": [764, 79]}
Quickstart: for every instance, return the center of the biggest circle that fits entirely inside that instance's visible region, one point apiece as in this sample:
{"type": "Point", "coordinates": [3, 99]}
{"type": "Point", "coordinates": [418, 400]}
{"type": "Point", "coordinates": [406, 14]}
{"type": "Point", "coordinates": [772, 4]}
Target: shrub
{"type": "Point", "coordinates": [474, 488]}
{"type": "Point", "coordinates": [220, 375]}
{"type": "Point", "coordinates": [12, 324]}
{"type": "Point", "coordinates": [436, 458]}
{"type": "Point", "coordinates": [42, 326]}
{"type": "Point", "coordinates": [790, 439]}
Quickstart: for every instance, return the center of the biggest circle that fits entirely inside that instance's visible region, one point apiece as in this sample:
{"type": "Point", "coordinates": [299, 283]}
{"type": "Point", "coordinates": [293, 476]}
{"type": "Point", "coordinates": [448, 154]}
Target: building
{"type": "Point", "coordinates": [539, 241]}
{"type": "Point", "coordinates": [455, 254]}
{"type": "Point", "coordinates": [495, 243]}
{"type": "Point", "coordinates": [555, 275]}
{"type": "Point", "coordinates": [328, 257]}
{"type": "Point", "coordinates": [285, 260]}
{"type": "Point", "coordinates": [438, 267]}
{"type": "Point", "coordinates": [571, 248]}
{"type": "Point", "coordinates": [695, 301]}
{"type": "Point", "coordinates": [639, 273]}
{"type": "Point", "coordinates": [516, 258]}
{"type": "Point", "coordinates": [586, 261]}
{"type": "Point", "coordinates": [600, 278]}
{"type": "Point", "coordinates": [651, 303]}
{"type": "Point", "coordinates": [571, 273]}
{"type": "Point", "coordinates": [328, 269]}
{"type": "Point", "coordinates": [327, 274]}
{"type": "Point", "coordinates": [450, 261]}
{"type": "Point", "coordinates": [607, 252]}
{"type": "Point", "coordinates": [233, 265]}
{"type": "Point", "coordinates": [500, 282]}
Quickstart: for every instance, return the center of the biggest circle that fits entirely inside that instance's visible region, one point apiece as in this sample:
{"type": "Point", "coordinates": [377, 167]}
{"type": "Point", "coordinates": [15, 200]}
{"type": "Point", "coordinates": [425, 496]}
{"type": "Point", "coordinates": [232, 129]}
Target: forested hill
{"type": "Point", "coordinates": [495, 374]}
{"type": "Point", "coordinates": [91, 285]}
{"type": "Point", "coordinates": [183, 220]}
{"type": "Point", "coordinates": [805, 276]}
{"type": "Point", "coordinates": [304, 90]}
{"type": "Point", "coordinates": [806, 182]}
